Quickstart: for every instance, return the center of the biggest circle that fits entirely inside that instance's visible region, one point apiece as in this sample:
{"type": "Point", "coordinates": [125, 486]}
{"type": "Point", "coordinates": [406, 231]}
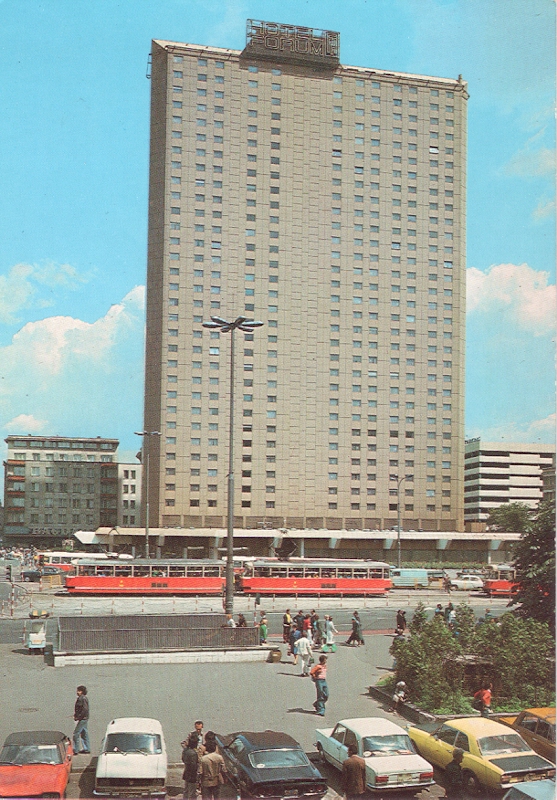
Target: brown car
{"type": "Point", "coordinates": [537, 727]}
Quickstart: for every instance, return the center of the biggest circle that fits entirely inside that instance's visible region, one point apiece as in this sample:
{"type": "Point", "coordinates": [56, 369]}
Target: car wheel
{"type": "Point", "coordinates": [471, 784]}
{"type": "Point", "coordinates": [27, 579]}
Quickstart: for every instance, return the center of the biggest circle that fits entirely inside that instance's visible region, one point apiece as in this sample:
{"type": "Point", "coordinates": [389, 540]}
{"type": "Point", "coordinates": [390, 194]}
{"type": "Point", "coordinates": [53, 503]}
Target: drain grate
{"type": "Point", "coordinates": [27, 710]}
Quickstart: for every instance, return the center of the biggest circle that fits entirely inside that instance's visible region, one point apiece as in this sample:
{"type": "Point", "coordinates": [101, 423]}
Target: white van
{"type": "Point", "coordinates": [133, 759]}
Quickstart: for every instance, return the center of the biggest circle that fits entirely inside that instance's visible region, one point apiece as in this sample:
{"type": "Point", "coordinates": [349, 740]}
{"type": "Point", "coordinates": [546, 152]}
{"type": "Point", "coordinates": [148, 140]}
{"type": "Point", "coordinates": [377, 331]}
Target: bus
{"type": "Point", "coordinates": [65, 559]}
{"type": "Point", "coordinates": [316, 576]}
{"type": "Point", "coordinates": [500, 581]}
{"type": "Point", "coordinates": [147, 577]}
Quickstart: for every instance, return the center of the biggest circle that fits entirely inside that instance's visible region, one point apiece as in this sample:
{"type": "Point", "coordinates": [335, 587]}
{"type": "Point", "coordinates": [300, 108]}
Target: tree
{"type": "Point", "coordinates": [534, 559]}
{"type": "Point", "coordinates": [509, 518]}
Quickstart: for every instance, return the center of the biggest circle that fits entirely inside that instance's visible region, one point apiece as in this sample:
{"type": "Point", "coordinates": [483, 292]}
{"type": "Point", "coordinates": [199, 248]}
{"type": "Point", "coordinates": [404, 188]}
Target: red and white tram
{"type": "Point", "coordinates": [142, 576]}
{"type": "Point", "coordinates": [317, 576]}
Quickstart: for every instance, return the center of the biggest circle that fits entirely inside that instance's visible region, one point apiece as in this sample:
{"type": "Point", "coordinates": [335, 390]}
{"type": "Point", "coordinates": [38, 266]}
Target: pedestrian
{"type": "Point", "coordinates": [398, 637]}
{"type": "Point", "coordinates": [230, 621]}
{"type": "Point", "coordinates": [356, 635]}
{"type": "Point", "coordinates": [190, 759]}
{"type": "Point", "coordinates": [330, 630]}
{"type": "Point", "coordinates": [399, 696]}
{"type": "Point", "coordinates": [295, 634]}
{"type": "Point", "coordinates": [81, 716]}
{"type": "Point", "coordinates": [313, 617]}
{"type": "Point", "coordinates": [318, 637]}
{"type": "Point", "coordinates": [319, 676]}
{"type": "Point", "coordinates": [401, 619]}
{"type": "Point", "coordinates": [213, 771]}
{"type": "Point", "coordinates": [482, 699]}
{"type": "Point", "coordinates": [488, 615]}
{"type": "Point", "coordinates": [306, 624]}
{"type": "Point", "coordinates": [299, 619]}
{"type": "Point", "coordinates": [353, 774]}
{"type": "Point", "coordinates": [304, 651]}
{"type": "Point", "coordinates": [447, 613]}
{"type": "Point", "coordinates": [439, 611]}
{"type": "Point", "coordinates": [453, 776]}
{"type": "Point", "coordinates": [263, 630]}
{"type": "Point", "coordinates": [198, 730]}
{"type": "Point", "coordinates": [242, 623]}
{"type": "Point", "coordinates": [286, 626]}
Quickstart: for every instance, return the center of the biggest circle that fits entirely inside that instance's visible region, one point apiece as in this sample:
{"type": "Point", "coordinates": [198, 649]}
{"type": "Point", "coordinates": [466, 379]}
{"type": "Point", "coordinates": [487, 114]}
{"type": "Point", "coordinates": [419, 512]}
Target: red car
{"type": "Point", "coordinates": [35, 764]}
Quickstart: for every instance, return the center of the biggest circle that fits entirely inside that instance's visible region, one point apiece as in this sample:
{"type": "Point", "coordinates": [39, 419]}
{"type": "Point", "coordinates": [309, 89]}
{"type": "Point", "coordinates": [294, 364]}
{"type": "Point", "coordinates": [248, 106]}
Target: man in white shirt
{"type": "Point", "coordinates": [303, 649]}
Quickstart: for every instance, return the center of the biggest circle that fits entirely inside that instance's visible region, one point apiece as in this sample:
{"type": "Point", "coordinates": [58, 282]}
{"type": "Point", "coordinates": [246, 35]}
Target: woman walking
{"type": "Point", "coordinates": [357, 633]}
{"type": "Point", "coordinates": [330, 630]}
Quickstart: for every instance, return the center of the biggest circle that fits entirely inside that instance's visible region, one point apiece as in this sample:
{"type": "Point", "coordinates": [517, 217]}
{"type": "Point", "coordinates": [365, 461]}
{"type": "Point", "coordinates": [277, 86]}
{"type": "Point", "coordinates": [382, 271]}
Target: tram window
{"type": "Point", "coordinates": [105, 571]}
{"type": "Point", "coordinates": [376, 573]}
{"type": "Point", "coordinates": [344, 572]}
{"type": "Point", "coordinates": [195, 572]}
{"type": "Point", "coordinates": [278, 572]}
{"type": "Point", "coordinates": [123, 572]}
{"type": "Point", "coordinates": [311, 572]}
{"type": "Point", "coordinates": [360, 573]}
{"type": "Point", "coordinates": [327, 573]}
{"type": "Point", "coordinates": [263, 572]}
{"type": "Point", "coordinates": [87, 570]}
{"type": "Point", "coordinates": [296, 572]}
{"type": "Point", "coordinates": [176, 572]}
{"type": "Point", "coordinates": [141, 571]}
{"type": "Point", "coordinates": [211, 572]}
{"type": "Point", "coordinates": [160, 572]}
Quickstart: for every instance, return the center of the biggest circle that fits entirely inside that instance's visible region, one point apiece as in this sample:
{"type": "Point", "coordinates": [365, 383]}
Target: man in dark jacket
{"type": "Point", "coordinates": [191, 761]}
{"type": "Point", "coordinates": [353, 774]}
{"type": "Point", "coordinates": [453, 776]}
{"type": "Point", "coordinates": [81, 716]}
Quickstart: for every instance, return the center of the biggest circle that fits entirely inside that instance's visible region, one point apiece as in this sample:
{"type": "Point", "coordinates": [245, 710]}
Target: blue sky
{"type": "Point", "coordinates": [74, 131]}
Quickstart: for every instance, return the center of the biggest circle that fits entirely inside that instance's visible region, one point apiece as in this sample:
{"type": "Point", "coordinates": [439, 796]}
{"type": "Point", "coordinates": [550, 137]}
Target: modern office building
{"type": "Point", "coordinates": [328, 202]}
{"type": "Point", "coordinates": [54, 486]}
{"type": "Point", "coordinates": [500, 472]}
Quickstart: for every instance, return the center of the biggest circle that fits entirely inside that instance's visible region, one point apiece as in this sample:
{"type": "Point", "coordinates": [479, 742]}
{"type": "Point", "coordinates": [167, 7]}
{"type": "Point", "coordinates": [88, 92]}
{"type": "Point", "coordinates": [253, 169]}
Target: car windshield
{"type": "Point", "coordinates": [149, 743]}
{"type": "Point", "coordinates": [399, 744]}
{"type": "Point", "coordinates": [271, 759]}
{"type": "Point", "coordinates": [30, 754]}
{"type": "Point", "coordinates": [504, 743]}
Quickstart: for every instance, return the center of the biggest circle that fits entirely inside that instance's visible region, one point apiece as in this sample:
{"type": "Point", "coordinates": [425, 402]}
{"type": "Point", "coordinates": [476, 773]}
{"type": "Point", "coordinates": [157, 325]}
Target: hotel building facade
{"type": "Point", "coordinates": [328, 202]}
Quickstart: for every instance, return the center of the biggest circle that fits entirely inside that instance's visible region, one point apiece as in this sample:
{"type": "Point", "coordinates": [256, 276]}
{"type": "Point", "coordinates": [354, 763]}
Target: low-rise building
{"type": "Point", "coordinates": [496, 473]}
{"type": "Point", "coordinates": [54, 486]}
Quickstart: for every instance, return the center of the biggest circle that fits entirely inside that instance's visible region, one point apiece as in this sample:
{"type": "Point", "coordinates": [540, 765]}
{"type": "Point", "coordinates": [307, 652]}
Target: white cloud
{"type": "Point", "coordinates": [539, 430]}
{"type": "Point", "coordinates": [544, 209]}
{"type": "Point", "coordinates": [517, 291]}
{"type": "Point", "coordinates": [27, 423]}
{"type": "Point", "coordinates": [533, 159]}
{"type": "Point", "coordinates": [20, 287]}
{"type": "Point", "coordinates": [77, 375]}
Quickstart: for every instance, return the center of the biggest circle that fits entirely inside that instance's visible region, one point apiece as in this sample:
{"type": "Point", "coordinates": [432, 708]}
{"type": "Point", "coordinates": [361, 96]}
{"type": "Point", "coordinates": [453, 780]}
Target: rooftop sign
{"type": "Point", "coordinates": [293, 43]}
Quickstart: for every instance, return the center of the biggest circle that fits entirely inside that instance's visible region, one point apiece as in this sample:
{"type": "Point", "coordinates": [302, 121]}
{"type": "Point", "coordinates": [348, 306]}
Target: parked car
{"type": "Point", "coordinates": [269, 764]}
{"type": "Point", "coordinates": [391, 759]}
{"type": "Point", "coordinates": [35, 764]}
{"type": "Point", "coordinates": [537, 727]}
{"type": "Point", "coordinates": [495, 757]}
{"type": "Point", "coordinates": [536, 790]}
{"type": "Point", "coordinates": [468, 583]}
{"type": "Point", "coordinates": [133, 759]}
{"type": "Point", "coordinates": [35, 575]}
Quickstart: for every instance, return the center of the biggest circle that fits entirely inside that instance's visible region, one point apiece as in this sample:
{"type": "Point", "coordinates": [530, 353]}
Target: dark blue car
{"type": "Point", "coordinates": [269, 764]}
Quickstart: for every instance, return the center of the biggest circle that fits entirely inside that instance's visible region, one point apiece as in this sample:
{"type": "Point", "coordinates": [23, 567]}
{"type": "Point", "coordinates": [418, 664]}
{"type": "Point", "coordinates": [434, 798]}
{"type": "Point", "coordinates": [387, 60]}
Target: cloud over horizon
{"type": "Point", "coordinates": [515, 291]}
{"type": "Point", "coordinates": [22, 287]}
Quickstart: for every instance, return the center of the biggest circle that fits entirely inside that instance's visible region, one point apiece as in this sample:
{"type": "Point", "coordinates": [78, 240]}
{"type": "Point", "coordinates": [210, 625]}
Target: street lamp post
{"type": "Point", "coordinates": [146, 438]}
{"type": "Point", "coordinates": [247, 326]}
{"type": "Point", "coordinates": [399, 482]}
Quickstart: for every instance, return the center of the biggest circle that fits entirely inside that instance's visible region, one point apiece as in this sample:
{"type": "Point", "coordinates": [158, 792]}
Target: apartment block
{"type": "Point", "coordinates": [328, 202]}
{"type": "Point", "coordinates": [499, 472]}
{"type": "Point", "coordinates": [129, 494]}
{"type": "Point", "coordinates": [54, 486]}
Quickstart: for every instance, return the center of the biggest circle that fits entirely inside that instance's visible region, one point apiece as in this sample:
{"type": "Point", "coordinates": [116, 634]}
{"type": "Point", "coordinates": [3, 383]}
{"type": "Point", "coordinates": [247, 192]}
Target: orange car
{"type": "Point", "coordinates": [35, 764]}
{"type": "Point", "coordinates": [537, 727]}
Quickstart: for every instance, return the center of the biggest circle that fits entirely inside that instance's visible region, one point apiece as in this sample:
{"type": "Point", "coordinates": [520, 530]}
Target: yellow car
{"type": "Point", "coordinates": [537, 727]}
{"type": "Point", "coordinates": [495, 758]}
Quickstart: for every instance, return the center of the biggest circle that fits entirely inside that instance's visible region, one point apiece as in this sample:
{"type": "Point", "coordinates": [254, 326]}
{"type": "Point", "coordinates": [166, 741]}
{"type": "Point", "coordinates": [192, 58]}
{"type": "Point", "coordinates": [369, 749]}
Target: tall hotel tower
{"type": "Point", "coordinates": [328, 202]}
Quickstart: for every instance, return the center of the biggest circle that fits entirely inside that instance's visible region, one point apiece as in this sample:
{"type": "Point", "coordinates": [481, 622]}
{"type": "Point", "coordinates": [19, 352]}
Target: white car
{"type": "Point", "coordinates": [467, 583]}
{"type": "Point", "coordinates": [392, 763]}
{"type": "Point", "coordinates": [133, 760]}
